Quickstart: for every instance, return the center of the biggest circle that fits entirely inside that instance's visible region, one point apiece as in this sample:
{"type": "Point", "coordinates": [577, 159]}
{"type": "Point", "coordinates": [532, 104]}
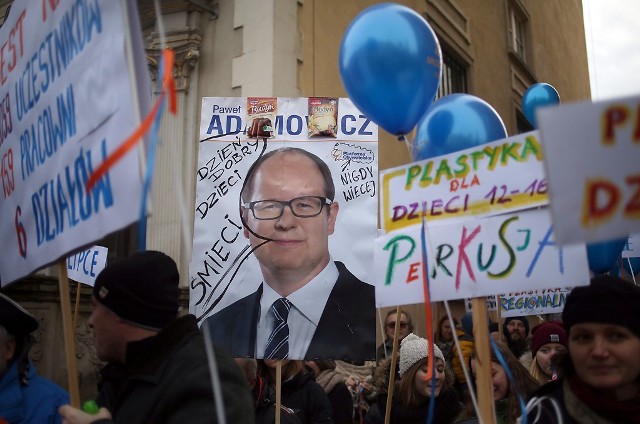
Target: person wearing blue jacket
{"type": "Point", "coordinates": [25, 397]}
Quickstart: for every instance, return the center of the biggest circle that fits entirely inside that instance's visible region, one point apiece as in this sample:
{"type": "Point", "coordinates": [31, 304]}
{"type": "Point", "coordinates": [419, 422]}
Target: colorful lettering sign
{"type": "Point", "coordinates": [592, 152]}
{"type": "Point", "coordinates": [510, 252]}
{"type": "Point", "coordinates": [501, 176]}
{"type": "Point", "coordinates": [65, 105]}
{"type": "Point", "coordinates": [84, 266]}
{"type": "Point", "coordinates": [532, 302]}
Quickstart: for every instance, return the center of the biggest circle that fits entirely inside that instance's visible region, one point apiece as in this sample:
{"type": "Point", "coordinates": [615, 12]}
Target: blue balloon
{"type": "Point", "coordinates": [390, 65]}
{"type": "Point", "coordinates": [536, 96]}
{"type": "Point", "coordinates": [602, 256]}
{"type": "Point", "coordinates": [456, 122]}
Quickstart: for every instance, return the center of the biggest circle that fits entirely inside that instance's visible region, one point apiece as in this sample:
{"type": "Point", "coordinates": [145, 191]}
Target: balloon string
{"type": "Point", "coordinates": [168, 89]}
{"type": "Point", "coordinates": [512, 380]}
{"type": "Point", "coordinates": [431, 372]}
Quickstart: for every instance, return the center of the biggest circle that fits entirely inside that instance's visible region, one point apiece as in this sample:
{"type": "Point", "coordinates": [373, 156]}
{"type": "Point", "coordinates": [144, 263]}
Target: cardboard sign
{"type": "Point", "coordinates": [504, 175]}
{"type": "Point", "coordinates": [66, 102]}
{"type": "Point", "coordinates": [220, 256]}
{"type": "Point", "coordinates": [489, 256]}
{"type": "Point", "coordinates": [632, 248]}
{"type": "Point", "coordinates": [592, 151]}
{"type": "Point", "coordinates": [85, 266]}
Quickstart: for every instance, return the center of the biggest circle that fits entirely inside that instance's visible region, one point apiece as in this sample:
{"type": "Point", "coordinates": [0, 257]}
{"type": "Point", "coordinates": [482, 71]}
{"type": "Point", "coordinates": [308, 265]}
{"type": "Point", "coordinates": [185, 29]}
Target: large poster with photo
{"type": "Point", "coordinates": [288, 236]}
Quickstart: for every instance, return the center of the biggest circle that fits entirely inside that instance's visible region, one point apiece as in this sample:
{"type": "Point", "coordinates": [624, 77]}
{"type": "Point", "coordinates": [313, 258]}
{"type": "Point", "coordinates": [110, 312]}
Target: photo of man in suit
{"type": "Point", "coordinates": [308, 306]}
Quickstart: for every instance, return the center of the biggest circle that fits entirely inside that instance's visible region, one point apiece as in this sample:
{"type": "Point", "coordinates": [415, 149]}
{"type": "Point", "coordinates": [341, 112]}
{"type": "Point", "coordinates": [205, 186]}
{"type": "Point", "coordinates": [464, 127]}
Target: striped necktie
{"type": "Point", "coordinates": [278, 343]}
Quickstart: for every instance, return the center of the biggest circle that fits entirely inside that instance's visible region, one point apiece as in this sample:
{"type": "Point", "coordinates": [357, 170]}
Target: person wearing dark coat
{"type": "Point", "coordinates": [333, 384]}
{"type": "Point", "coordinates": [300, 392]}
{"type": "Point", "coordinates": [158, 369]}
{"type": "Point", "coordinates": [412, 393]}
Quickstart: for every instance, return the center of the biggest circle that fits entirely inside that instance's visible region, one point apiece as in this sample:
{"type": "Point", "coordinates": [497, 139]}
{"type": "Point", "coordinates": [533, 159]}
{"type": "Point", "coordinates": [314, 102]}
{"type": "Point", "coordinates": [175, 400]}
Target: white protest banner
{"type": "Point", "coordinates": [632, 248]}
{"type": "Point", "coordinates": [84, 266]}
{"type": "Point", "coordinates": [504, 175]}
{"type": "Point", "coordinates": [591, 155]}
{"type": "Point", "coordinates": [488, 256]}
{"type": "Point", "coordinates": [532, 302]}
{"type": "Point", "coordinates": [223, 268]}
{"type": "Point", "coordinates": [66, 100]}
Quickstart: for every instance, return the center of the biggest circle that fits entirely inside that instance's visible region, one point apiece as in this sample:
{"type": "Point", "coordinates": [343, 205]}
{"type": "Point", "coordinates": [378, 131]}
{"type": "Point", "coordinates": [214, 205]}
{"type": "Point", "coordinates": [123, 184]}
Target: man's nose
{"type": "Point", "coordinates": [600, 347]}
{"type": "Point", "coordinates": [287, 220]}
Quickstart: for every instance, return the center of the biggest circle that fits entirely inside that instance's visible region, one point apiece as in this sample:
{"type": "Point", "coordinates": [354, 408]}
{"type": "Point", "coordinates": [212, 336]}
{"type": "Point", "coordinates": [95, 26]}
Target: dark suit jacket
{"type": "Point", "coordinates": [346, 330]}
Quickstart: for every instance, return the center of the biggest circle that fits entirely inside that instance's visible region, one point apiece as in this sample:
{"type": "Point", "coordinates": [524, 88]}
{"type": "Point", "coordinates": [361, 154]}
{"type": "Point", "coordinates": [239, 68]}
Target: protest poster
{"type": "Point", "coordinates": [224, 267]}
{"type": "Point", "coordinates": [632, 248]}
{"type": "Point", "coordinates": [531, 302]}
{"type": "Point", "coordinates": [68, 73]}
{"type": "Point", "coordinates": [489, 256]}
{"type": "Point", "coordinates": [84, 266]}
{"type": "Point", "coordinates": [591, 159]}
{"type": "Point", "coordinates": [501, 176]}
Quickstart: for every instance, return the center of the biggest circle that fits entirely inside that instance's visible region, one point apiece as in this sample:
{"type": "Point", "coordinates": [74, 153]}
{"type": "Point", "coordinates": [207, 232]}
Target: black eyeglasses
{"type": "Point", "coordinates": [302, 207]}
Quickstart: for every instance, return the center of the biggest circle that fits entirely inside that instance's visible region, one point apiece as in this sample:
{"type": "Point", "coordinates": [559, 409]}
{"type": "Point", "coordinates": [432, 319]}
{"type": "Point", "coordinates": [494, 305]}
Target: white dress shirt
{"type": "Point", "coordinates": [308, 303]}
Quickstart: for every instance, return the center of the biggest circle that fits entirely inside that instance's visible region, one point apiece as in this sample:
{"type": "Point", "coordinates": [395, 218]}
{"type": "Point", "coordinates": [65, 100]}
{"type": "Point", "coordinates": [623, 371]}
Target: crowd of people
{"type": "Point", "coordinates": [584, 368]}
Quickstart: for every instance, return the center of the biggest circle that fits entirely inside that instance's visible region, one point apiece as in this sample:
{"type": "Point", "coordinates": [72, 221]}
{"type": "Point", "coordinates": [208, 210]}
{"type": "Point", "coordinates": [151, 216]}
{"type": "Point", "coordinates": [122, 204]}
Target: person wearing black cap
{"type": "Point", "coordinates": [25, 397]}
{"type": "Point", "coordinates": [157, 369]}
{"type": "Point", "coordinates": [601, 382]}
{"type": "Point", "coordinates": [516, 330]}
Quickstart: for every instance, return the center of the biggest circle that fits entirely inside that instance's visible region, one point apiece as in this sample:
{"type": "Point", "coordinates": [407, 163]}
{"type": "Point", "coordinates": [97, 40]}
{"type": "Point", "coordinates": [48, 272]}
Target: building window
{"type": "Point", "coordinates": [454, 76]}
{"type": "Point", "coordinates": [518, 30]}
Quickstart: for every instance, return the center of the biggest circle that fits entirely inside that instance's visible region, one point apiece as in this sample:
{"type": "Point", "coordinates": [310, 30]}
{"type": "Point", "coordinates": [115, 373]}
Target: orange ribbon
{"type": "Point", "coordinates": [168, 88]}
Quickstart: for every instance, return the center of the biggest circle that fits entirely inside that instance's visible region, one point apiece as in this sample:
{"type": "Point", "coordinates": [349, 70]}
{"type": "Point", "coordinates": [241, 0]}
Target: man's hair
{"type": "Point", "coordinates": [409, 321]}
{"type": "Point", "coordinates": [329, 188]}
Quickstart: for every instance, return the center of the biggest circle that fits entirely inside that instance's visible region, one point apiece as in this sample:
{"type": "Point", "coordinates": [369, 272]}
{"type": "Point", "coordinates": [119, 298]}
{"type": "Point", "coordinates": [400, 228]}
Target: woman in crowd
{"type": "Point", "coordinates": [548, 347]}
{"type": "Point", "coordinates": [444, 337]}
{"type": "Point", "coordinates": [332, 382]}
{"type": "Point", "coordinates": [410, 402]}
{"type": "Point", "coordinates": [506, 394]}
{"type": "Point", "coordinates": [300, 392]}
{"type": "Point", "coordinates": [601, 382]}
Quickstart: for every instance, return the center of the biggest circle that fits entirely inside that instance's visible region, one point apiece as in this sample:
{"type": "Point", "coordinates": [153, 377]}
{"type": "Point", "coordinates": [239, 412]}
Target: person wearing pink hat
{"type": "Point", "coordinates": [548, 346]}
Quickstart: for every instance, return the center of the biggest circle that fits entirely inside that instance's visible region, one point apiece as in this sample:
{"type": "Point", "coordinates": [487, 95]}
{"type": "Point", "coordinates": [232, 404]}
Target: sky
{"type": "Point", "coordinates": [612, 29]}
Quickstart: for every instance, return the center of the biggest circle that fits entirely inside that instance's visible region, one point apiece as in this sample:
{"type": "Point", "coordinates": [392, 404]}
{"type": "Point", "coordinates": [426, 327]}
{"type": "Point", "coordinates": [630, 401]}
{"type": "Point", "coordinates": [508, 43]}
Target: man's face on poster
{"type": "Point", "coordinates": [298, 246]}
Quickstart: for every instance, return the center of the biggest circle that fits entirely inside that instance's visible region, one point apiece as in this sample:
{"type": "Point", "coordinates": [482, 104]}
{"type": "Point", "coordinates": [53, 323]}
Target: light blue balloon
{"type": "Point", "coordinates": [456, 122]}
{"type": "Point", "coordinates": [537, 96]}
{"type": "Point", "coordinates": [602, 256]}
{"type": "Point", "coordinates": [390, 65]}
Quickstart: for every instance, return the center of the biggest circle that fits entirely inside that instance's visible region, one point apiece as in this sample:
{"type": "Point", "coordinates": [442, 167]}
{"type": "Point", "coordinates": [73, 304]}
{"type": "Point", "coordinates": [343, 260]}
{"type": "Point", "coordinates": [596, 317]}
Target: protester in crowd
{"type": "Point", "coordinates": [516, 330]}
{"type": "Point", "coordinates": [412, 393]}
{"type": "Point", "coordinates": [444, 337]}
{"type": "Point", "coordinates": [333, 384]}
{"type": "Point", "coordinates": [601, 382]}
{"type": "Point", "coordinates": [300, 392]}
{"type": "Point", "coordinates": [506, 393]}
{"type": "Point", "coordinates": [157, 369]}
{"type": "Point", "coordinates": [404, 327]}
{"type": "Point", "coordinates": [264, 395]}
{"type": "Point", "coordinates": [359, 381]}
{"type": "Point", "coordinates": [25, 397]}
{"type": "Point", "coordinates": [548, 347]}
{"type": "Point", "coordinates": [465, 338]}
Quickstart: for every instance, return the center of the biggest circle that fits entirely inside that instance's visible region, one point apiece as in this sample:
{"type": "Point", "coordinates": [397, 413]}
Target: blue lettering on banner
{"type": "Point", "coordinates": [50, 131]}
{"type": "Point", "coordinates": [64, 200]}
{"type": "Point", "coordinates": [74, 32]}
{"type": "Point", "coordinates": [80, 259]}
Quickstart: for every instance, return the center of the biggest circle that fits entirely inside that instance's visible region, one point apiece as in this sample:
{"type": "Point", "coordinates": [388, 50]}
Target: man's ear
{"type": "Point", "coordinates": [333, 216]}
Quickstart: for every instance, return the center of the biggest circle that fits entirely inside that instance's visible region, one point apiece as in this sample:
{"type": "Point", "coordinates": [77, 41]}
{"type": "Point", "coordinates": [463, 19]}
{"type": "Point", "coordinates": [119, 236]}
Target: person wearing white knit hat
{"type": "Point", "coordinates": [410, 402]}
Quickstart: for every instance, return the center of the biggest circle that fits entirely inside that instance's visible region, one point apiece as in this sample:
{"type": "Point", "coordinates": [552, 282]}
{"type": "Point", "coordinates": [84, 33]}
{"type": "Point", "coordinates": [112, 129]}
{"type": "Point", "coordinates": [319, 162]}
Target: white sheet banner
{"type": "Point", "coordinates": [488, 256]}
{"type": "Point", "coordinates": [66, 103]}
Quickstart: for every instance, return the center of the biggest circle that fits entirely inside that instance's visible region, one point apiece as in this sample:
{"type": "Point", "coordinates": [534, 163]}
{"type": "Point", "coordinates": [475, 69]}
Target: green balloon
{"type": "Point", "coordinates": [90, 407]}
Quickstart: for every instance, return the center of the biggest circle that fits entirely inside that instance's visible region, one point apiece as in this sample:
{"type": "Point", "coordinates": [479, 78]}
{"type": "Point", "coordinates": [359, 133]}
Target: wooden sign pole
{"type": "Point", "coordinates": [75, 311]}
{"type": "Point", "coordinates": [483, 353]}
{"type": "Point", "coordinates": [392, 371]}
{"type": "Point", "coordinates": [69, 334]}
{"type": "Point", "coordinates": [278, 390]}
